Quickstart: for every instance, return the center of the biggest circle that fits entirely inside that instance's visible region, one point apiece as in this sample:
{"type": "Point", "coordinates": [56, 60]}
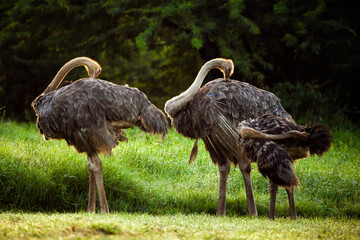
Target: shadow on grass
{"type": "Point", "coordinates": [64, 189]}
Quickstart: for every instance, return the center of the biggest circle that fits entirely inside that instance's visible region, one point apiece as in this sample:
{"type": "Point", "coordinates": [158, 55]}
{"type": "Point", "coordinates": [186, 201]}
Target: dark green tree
{"type": "Point", "coordinates": [305, 51]}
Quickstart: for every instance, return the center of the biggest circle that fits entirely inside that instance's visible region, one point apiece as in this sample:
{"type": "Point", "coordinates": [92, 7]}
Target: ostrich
{"type": "Point", "coordinates": [90, 114]}
{"type": "Point", "coordinates": [275, 143]}
{"type": "Point", "coordinates": [213, 112]}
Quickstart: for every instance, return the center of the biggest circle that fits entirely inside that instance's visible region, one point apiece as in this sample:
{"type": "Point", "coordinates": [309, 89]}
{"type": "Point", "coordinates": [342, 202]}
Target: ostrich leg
{"type": "Point", "coordinates": [248, 188]}
{"type": "Point", "coordinates": [95, 165]}
{"type": "Point", "coordinates": [92, 191]}
{"type": "Point", "coordinates": [290, 193]}
{"type": "Point", "coordinates": [273, 191]}
{"type": "Point", "coordinates": [224, 172]}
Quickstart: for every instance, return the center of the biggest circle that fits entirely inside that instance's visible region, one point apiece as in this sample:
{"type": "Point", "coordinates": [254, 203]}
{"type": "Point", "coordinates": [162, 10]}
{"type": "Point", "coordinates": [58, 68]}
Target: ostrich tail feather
{"type": "Point", "coordinates": [154, 121]}
{"type": "Point", "coordinates": [320, 138]}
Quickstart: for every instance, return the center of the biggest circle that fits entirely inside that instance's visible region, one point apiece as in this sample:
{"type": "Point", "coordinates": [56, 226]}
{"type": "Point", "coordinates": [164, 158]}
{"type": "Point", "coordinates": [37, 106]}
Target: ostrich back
{"type": "Point", "coordinates": [240, 100]}
{"type": "Point", "coordinates": [217, 108]}
{"type": "Point", "coordinates": [90, 113]}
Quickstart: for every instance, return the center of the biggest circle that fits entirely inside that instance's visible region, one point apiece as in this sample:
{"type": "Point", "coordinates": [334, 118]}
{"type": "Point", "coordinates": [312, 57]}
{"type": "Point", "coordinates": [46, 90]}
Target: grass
{"type": "Point", "coordinates": [154, 193]}
{"type": "Point", "coordinates": [177, 226]}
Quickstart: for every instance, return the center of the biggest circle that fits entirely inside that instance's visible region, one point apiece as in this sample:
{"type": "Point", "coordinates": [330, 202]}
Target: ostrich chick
{"type": "Point", "coordinates": [275, 143]}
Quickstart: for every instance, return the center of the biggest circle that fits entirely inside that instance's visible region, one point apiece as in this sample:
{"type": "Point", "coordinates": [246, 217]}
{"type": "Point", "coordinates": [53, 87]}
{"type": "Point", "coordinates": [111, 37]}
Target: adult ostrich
{"type": "Point", "coordinates": [90, 115]}
{"type": "Point", "coordinates": [275, 143]}
{"type": "Point", "coordinates": [213, 112]}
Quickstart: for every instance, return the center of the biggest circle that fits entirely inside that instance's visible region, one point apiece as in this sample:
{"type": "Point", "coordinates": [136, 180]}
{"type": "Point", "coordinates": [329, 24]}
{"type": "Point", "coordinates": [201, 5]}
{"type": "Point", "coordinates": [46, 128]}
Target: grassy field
{"type": "Point", "coordinates": [177, 226]}
{"type": "Point", "coordinates": [154, 193]}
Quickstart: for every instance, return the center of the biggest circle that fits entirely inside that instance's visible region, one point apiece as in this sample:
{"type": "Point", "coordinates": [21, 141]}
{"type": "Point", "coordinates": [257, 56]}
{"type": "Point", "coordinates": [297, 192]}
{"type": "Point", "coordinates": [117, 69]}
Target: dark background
{"type": "Point", "coordinates": [306, 52]}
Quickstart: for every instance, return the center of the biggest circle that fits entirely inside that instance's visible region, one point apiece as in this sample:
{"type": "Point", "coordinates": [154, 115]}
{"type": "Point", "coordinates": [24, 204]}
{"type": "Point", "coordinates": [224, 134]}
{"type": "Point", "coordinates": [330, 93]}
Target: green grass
{"type": "Point", "coordinates": [153, 192]}
{"type": "Point", "coordinates": [177, 226]}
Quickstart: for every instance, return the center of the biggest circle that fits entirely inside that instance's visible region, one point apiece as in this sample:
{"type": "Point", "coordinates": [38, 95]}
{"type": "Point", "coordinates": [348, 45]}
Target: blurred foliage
{"type": "Point", "coordinates": [307, 104]}
{"type": "Point", "coordinates": [306, 47]}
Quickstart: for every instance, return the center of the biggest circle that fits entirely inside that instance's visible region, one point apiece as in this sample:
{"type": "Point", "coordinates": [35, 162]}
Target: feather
{"type": "Point", "coordinates": [194, 152]}
{"type": "Point", "coordinates": [101, 107]}
{"type": "Point", "coordinates": [275, 142]}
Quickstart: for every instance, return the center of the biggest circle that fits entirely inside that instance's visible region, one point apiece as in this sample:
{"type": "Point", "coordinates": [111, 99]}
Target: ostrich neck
{"type": "Point", "coordinates": [89, 64]}
{"type": "Point", "coordinates": [177, 103]}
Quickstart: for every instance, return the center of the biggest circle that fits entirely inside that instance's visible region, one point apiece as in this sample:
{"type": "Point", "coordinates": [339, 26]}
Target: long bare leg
{"type": "Point", "coordinates": [273, 191]}
{"type": "Point", "coordinates": [290, 192]}
{"type": "Point", "coordinates": [224, 172]}
{"type": "Point", "coordinates": [92, 191]}
{"type": "Point", "coordinates": [248, 188]}
{"type": "Point", "coordinates": [96, 167]}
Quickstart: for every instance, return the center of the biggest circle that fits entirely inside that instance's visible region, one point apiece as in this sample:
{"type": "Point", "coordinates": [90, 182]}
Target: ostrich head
{"type": "Point", "coordinates": [227, 69]}
{"type": "Point", "coordinates": [92, 67]}
{"type": "Point", "coordinates": [175, 104]}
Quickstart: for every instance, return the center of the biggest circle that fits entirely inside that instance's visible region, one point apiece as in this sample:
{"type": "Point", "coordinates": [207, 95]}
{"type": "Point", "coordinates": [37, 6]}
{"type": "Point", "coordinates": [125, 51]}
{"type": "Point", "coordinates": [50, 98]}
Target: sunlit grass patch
{"type": "Point", "coordinates": [174, 226]}
{"type": "Point", "coordinates": [147, 175]}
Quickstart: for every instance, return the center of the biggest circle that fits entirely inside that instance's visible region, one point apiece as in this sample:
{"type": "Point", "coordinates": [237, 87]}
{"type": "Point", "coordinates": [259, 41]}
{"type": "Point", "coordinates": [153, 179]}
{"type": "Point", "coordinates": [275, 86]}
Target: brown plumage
{"type": "Point", "coordinates": [90, 115]}
{"type": "Point", "coordinates": [213, 112]}
{"type": "Point", "coordinates": [275, 143]}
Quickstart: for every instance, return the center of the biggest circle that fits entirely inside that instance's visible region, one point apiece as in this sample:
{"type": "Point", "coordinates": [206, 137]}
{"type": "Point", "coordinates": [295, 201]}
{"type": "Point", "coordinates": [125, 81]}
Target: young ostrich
{"type": "Point", "coordinates": [213, 112]}
{"type": "Point", "coordinates": [90, 114]}
{"type": "Point", "coordinates": [275, 143]}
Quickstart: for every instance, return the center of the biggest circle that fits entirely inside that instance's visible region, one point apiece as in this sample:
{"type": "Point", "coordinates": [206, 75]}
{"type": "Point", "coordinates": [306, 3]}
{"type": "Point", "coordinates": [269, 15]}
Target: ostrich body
{"type": "Point", "coordinates": [213, 112]}
{"type": "Point", "coordinates": [275, 143]}
{"type": "Point", "coordinates": [90, 115]}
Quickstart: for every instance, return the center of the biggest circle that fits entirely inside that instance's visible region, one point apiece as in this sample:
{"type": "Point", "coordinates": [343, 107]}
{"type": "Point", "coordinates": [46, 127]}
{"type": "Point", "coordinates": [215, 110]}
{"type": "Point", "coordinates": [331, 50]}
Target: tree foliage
{"type": "Point", "coordinates": [158, 46]}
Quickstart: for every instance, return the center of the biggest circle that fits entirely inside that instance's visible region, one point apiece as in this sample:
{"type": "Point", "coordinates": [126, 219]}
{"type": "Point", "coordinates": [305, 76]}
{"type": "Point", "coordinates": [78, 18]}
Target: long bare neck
{"type": "Point", "coordinates": [250, 133]}
{"type": "Point", "coordinates": [92, 67]}
{"type": "Point", "coordinates": [175, 104]}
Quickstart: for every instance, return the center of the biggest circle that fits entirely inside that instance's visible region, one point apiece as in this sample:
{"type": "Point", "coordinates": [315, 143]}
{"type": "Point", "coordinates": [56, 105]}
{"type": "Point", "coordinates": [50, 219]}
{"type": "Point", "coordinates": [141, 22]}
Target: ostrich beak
{"type": "Point", "coordinates": [228, 71]}
{"type": "Point", "coordinates": [227, 75]}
